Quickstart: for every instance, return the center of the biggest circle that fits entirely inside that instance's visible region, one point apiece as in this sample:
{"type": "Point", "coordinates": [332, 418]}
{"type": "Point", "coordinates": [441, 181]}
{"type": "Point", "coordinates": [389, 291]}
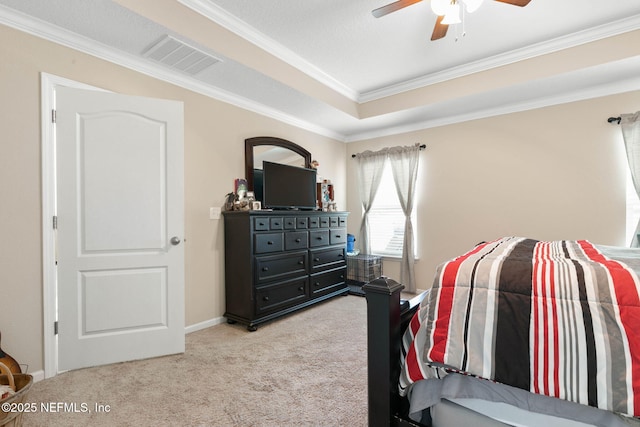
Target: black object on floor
{"type": "Point", "coordinates": [355, 288]}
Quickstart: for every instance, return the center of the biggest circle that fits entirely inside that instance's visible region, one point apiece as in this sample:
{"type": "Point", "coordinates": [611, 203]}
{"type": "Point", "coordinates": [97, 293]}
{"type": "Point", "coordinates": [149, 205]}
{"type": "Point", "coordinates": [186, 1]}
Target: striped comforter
{"type": "Point", "coordinates": [554, 318]}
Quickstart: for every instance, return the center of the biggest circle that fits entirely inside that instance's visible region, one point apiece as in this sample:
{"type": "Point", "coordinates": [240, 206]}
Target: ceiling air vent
{"type": "Point", "coordinates": [180, 56]}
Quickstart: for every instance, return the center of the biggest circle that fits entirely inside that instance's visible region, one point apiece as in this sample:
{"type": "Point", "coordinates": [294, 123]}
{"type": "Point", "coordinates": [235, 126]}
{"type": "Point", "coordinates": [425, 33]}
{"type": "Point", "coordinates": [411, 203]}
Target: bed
{"type": "Point", "coordinates": [515, 331]}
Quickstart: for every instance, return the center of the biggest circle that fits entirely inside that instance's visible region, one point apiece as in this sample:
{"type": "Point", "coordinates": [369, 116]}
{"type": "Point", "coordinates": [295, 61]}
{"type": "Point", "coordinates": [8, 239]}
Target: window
{"type": "Point", "coordinates": [386, 218]}
{"type": "Point", "coordinates": [633, 209]}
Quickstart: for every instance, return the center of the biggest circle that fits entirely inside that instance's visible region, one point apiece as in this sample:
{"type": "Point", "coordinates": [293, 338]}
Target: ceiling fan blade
{"type": "Point", "coordinates": [440, 29]}
{"type": "Point", "coordinates": [521, 3]}
{"type": "Point", "coordinates": [392, 7]}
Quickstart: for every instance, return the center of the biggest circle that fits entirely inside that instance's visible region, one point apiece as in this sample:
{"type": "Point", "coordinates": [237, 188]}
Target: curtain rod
{"type": "Point", "coordinates": [614, 119]}
{"type": "Point", "coordinates": [422, 147]}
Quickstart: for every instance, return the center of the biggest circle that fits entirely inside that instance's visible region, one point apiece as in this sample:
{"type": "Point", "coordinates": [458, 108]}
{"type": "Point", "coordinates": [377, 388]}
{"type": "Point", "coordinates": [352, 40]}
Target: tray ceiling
{"type": "Point", "coordinates": [331, 67]}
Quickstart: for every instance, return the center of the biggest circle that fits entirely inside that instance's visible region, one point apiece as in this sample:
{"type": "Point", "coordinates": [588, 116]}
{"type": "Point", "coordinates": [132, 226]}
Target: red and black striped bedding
{"type": "Point", "coordinates": [554, 318]}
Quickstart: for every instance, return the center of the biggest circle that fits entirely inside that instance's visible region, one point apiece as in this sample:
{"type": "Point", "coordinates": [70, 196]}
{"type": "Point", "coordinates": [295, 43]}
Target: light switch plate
{"type": "Point", "coordinates": [214, 213]}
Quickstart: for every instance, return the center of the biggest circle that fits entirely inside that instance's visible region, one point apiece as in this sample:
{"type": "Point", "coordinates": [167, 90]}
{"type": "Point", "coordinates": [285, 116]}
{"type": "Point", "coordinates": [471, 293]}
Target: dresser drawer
{"type": "Point", "coordinates": [328, 258]}
{"type": "Point", "coordinates": [275, 267]}
{"type": "Point", "coordinates": [296, 240]}
{"type": "Point", "coordinates": [276, 223]}
{"type": "Point", "coordinates": [268, 242]}
{"type": "Point", "coordinates": [289, 223]}
{"type": "Point", "coordinates": [337, 236]}
{"type": "Point", "coordinates": [324, 283]}
{"type": "Point", "coordinates": [261, 224]}
{"type": "Point", "coordinates": [318, 238]}
{"type": "Point", "coordinates": [266, 223]}
{"type": "Point", "coordinates": [302, 222]}
{"type": "Point", "coordinates": [281, 295]}
{"type": "Point", "coordinates": [324, 222]}
{"type": "Point", "coordinates": [314, 222]}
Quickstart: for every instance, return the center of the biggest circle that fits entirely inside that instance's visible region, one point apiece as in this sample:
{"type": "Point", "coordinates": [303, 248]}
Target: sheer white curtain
{"type": "Point", "coordinates": [630, 124]}
{"type": "Point", "coordinates": [404, 164]}
{"type": "Point", "coordinates": [370, 168]}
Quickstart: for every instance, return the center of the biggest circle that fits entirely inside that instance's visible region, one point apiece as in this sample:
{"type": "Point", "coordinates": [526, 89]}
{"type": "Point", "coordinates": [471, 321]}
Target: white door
{"type": "Point", "coordinates": [120, 225]}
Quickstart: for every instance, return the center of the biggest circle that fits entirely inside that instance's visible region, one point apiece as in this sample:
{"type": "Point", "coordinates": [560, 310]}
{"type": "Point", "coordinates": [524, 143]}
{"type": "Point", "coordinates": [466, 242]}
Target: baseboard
{"type": "Point", "coordinates": [204, 325]}
{"type": "Point", "coordinates": [37, 376]}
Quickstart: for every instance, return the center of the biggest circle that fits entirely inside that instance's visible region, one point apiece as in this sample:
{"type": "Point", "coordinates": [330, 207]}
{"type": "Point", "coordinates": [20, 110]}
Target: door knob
{"type": "Point", "coordinates": [175, 240]}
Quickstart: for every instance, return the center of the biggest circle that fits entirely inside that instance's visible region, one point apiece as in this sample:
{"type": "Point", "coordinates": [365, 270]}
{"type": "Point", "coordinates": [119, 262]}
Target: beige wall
{"type": "Point", "coordinates": [550, 173]}
{"type": "Point", "coordinates": [214, 156]}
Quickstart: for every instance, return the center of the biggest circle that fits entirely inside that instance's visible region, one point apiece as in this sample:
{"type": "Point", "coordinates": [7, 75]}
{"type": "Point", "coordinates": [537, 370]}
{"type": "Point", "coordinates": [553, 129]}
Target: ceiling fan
{"type": "Point", "coordinates": [448, 11]}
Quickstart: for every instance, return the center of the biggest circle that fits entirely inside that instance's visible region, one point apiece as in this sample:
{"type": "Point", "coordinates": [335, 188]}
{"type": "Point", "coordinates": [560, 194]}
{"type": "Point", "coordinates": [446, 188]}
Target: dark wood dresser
{"type": "Point", "coordinates": [277, 262]}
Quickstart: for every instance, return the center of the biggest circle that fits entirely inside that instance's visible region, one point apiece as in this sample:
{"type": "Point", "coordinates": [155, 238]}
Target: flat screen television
{"type": "Point", "coordinates": [288, 187]}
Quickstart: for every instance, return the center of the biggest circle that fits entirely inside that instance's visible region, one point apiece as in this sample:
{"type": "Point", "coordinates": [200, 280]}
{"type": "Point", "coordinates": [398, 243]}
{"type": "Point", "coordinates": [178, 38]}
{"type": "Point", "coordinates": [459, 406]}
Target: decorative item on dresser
{"type": "Point", "coordinates": [277, 262]}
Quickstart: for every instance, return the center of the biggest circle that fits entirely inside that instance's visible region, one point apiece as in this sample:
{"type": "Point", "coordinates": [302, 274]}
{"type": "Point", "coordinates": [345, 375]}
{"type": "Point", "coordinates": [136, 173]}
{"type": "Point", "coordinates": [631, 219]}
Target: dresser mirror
{"type": "Point", "coordinates": [272, 149]}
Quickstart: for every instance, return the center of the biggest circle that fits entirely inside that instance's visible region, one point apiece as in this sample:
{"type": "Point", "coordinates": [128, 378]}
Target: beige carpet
{"type": "Point", "coordinates": [306, 369]}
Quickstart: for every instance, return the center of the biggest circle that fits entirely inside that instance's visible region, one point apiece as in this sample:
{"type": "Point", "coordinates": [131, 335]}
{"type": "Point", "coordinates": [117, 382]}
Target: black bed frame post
{"type": "Point", "coordinates": [383, 332]}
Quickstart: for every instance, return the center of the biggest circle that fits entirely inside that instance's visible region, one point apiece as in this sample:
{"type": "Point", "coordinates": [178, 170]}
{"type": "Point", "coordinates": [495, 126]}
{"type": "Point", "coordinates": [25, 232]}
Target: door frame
{"type": "Point", "coordinates": [48, 84]}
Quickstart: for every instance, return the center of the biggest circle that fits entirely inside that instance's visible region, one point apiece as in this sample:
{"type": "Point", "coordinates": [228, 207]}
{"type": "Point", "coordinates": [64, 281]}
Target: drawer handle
{"type": "Point", "coordinates": [266, 298]}
{"type": "Point", "coordinates": [270, 242]}
{"type": "Point", "coordinates": [298, 240]}
{"type": "Point", "coordinates": [338, 236]}
{"type": "Point", "coordinates": [276, 224]}
{"type": "Point", "coordinates": [316, 259]}
{"type": "Point", "coordinates": [265, 268]}
{"type": "Point", "coordinates": [261, 223]}
{"type": "Point", "coordinates": [319, 237]}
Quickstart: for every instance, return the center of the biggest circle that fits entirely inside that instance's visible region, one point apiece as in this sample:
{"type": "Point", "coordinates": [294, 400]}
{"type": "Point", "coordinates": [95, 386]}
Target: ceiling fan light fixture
{"type": "Point", "coordinates": [453, 15]}
{"type": "Point", "coordinates": [472, 5]}
{"type": "Point", "coordinates": [440, 7]}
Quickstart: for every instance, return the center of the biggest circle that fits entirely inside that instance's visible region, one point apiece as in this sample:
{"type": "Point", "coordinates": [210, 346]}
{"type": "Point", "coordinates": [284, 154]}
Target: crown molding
{"type": "Point", "coordinates": [221, 17]}
{"type": "Point", "coordinates": [242, 29]}
{"type": "Point", "coordinates": [47, 31]}
{"type": "Point", "coordinates": [582, 37]}
{"type": "Point", "coordinates": [613, 87]}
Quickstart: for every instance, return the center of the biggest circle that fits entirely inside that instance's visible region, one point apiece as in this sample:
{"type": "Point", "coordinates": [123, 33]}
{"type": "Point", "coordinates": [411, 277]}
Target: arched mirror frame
{"type": "Point", "coordinates": [269, 140]}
